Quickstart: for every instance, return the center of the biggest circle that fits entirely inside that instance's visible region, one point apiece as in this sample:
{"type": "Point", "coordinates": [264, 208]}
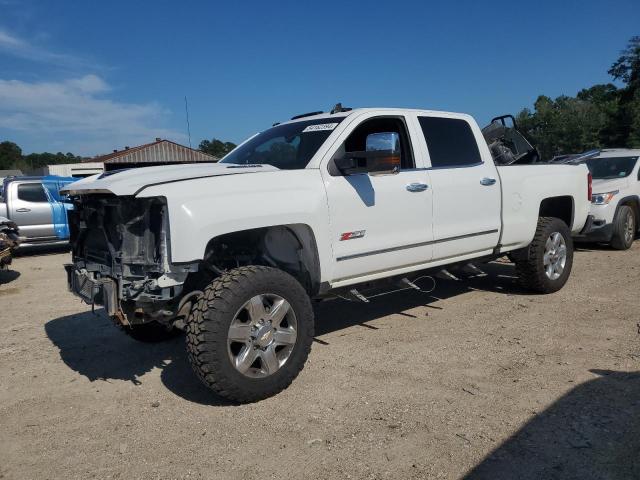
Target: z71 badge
{"type": "Point", "coordinates": [352, 235]}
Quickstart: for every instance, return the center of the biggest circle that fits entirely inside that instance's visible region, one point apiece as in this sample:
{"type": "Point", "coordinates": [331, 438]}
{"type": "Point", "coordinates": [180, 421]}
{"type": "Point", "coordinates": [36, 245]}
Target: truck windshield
{"type": "Point", "coordinates": [288, 147]}
{"type": "Point", "coordinates": [611, 167]}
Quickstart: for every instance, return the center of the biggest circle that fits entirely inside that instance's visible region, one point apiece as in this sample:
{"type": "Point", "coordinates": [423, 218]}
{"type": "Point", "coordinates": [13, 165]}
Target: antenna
{"type": "Point", "coordinates": [186, 109]}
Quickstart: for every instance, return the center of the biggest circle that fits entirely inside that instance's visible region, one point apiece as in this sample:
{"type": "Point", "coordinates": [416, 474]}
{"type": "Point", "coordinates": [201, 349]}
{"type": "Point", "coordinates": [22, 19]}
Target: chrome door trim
{"type": "Point", "coordinates": [414, 245]}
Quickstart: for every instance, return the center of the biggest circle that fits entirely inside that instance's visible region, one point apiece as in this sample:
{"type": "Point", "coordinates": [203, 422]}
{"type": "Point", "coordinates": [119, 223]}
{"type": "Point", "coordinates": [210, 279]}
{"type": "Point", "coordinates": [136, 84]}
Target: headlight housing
{"type": "Point", "coordinates": [603, 198]}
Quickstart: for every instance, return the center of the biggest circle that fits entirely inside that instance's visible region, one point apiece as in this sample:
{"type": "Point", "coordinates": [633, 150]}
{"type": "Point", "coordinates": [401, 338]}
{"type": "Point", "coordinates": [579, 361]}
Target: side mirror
{"type": "Point", "coordinates": [383, 141]}
{"type": "Point", "coordinates": [382, 156]}
{"type": "Point", "coordinates": [378, 162]}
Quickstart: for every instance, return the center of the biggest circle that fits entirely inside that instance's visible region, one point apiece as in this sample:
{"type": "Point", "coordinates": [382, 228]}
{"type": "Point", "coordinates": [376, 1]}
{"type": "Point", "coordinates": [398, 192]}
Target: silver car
{"type": "Point", "coordinates": [40, 216]}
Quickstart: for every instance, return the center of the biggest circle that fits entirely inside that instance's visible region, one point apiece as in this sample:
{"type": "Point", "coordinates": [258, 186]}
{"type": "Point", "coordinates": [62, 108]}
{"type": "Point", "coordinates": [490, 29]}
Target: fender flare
{"type": "Point", "coordinates": [635, 199]}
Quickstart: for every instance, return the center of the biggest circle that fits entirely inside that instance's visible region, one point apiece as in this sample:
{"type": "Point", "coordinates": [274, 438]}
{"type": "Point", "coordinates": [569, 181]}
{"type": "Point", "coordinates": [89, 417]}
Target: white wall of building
{"type": "Point", "coordinates": [76, 169]}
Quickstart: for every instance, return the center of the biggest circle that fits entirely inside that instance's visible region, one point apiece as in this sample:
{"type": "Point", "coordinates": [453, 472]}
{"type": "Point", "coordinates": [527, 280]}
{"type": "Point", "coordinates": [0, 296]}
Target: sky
{"type": "Point", "coordinates": [90, 77]}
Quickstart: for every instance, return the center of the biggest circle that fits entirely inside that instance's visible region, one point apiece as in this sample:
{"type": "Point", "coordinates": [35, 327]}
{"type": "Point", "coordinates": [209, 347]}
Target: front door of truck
{"type": "Point", "coordinates": [31, 210]}
{"type": "Point", "coordinates": [466, 188]}
{"type": "Point", "coordinates": [378, 222]}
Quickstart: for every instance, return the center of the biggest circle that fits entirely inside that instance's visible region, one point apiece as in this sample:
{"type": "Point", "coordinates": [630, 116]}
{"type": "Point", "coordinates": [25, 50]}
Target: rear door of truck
{"type": "Point", "coordinates": [466, 187]}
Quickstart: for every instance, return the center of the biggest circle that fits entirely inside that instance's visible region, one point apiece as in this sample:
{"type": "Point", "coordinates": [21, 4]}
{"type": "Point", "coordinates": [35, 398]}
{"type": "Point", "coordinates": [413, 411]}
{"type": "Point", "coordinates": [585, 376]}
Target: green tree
{"type": "Point", "coordinates": [606, 99]}
{"type": "Point", "coordinates": [627, 70]}
{"type": "Point", "coordinates": [627, 67]}
{"type": "Point", "coordinates": [569, 124]}
{"type": "Point", "coordinates": [597, 117]}
{"type": "Point", "coordinates": [37, 160]}
{"type": "Point", "coordinates": [634, 120]}
{"type": "Point", "coordinates": [10, 155]}
{"type": "Point", "coordinates": [216, 147]}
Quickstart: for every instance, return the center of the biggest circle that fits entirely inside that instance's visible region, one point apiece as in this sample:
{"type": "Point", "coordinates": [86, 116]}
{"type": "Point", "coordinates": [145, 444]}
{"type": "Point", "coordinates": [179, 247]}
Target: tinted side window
{"type": "Point", "coordinates": [31, 192]}
{"type": "Point", "coordinates": [450, 142]}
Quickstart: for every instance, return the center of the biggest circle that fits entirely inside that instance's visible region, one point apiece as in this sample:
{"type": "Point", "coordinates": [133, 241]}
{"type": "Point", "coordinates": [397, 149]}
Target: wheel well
{"type": "Point", "coordinates": [291, 248]}
{"type": "Point", "coordinates": [558, 207]}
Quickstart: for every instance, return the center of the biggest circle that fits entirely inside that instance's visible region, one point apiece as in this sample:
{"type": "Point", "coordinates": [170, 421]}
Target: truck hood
{"type": "Point", "coordinates": [132, 181]}
{"type": "Point", "coordinates": [610, 184]}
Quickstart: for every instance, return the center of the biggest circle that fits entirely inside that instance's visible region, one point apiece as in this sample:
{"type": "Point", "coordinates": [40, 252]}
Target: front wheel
{"type": "Point", "coordinates": [545, 265]}
{"type": "Point", "coordinates": [624, 228]}
{"type": "Point", "coordinates": [250, 332]}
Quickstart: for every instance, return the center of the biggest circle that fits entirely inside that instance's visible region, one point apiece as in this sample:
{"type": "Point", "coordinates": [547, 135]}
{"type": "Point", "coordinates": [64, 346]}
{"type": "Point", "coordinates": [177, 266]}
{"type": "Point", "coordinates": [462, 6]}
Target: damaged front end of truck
{"type": "Point", "coordinates": [121, 259]}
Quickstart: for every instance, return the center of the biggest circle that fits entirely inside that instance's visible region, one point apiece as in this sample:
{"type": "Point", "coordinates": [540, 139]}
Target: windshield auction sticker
{"type": "Point", "coordinates": [320, 127]}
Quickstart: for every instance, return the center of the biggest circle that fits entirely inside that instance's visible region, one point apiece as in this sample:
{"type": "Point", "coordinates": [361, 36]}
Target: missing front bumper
{"type": "Point", "coordinates": [102, 291]}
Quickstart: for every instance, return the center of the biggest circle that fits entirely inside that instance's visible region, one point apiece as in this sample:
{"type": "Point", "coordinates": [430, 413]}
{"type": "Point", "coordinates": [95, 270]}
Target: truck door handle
{"type": "Point", "coordinates": [22, 210]}
{"type": "Point", "coordinates": [417, 187]}
{"type": "Point", "coordinates": [486, 181]}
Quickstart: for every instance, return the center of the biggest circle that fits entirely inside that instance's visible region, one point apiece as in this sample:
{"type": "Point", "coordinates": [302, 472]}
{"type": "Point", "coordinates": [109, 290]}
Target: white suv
{"type": "Point", "coordinates": [615, 203]}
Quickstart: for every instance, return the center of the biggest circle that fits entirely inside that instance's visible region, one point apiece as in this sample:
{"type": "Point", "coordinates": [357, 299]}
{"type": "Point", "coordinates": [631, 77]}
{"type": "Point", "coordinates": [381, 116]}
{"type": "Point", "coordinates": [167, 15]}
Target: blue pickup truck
{"type": "Point", "coordinates": [36, 206]}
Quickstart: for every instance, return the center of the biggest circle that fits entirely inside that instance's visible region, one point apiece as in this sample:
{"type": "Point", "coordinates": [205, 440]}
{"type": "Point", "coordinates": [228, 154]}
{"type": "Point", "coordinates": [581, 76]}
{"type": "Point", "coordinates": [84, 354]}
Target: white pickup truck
{"type": "Point", "coordinates": [234, 252]}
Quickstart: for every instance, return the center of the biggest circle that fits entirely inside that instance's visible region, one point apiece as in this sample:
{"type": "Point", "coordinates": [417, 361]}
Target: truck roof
{"type": "Point", "coordinates": [42, 178]}
{"type": "Point", "coordinates": [618, 152]}
{"type": "Point", "coordinates": [23, 177]}
{"type": "Point", "coordinates": [329, 115]}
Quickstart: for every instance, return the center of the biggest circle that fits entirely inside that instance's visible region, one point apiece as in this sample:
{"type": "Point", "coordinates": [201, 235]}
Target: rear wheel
{"type": "Point", "coordinates": [624, 228]}
{"type": "Point", "coordinates": [545, 265]}
{"type": "Point", "coordinates": [250, 333]}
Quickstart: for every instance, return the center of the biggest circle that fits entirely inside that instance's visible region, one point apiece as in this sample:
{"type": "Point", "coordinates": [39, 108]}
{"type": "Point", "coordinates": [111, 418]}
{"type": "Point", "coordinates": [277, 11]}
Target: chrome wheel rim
{"type": "Point", "coordinates": [262, 335]}
{"type": "Point", "coordinates": [555, 256]}
{"type": "Point", "coordinates": [629, 228]}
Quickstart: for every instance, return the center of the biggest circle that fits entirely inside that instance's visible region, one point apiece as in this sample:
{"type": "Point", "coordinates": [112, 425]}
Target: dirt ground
{"type": "Point", "coordinates": [477, 380]}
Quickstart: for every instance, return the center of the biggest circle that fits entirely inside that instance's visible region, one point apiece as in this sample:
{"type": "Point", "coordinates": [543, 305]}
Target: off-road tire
{"type": "Point", "coordinates": [208, 326]}
{"type": "Point", "coordinates": [530, 260]}
{"type": "Point", "coordinates": [618, 240]}
{"type": "Point", "coordinates": [151, 332]}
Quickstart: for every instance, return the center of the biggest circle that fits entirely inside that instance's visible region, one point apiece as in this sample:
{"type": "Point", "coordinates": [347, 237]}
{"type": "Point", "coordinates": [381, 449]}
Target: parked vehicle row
{"type": "Point", "coordinates": [37, 208]}
{"type": "Point", "coordinates": [615, 203]}
{"type": "Point", "coordinates": [316, 206]}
